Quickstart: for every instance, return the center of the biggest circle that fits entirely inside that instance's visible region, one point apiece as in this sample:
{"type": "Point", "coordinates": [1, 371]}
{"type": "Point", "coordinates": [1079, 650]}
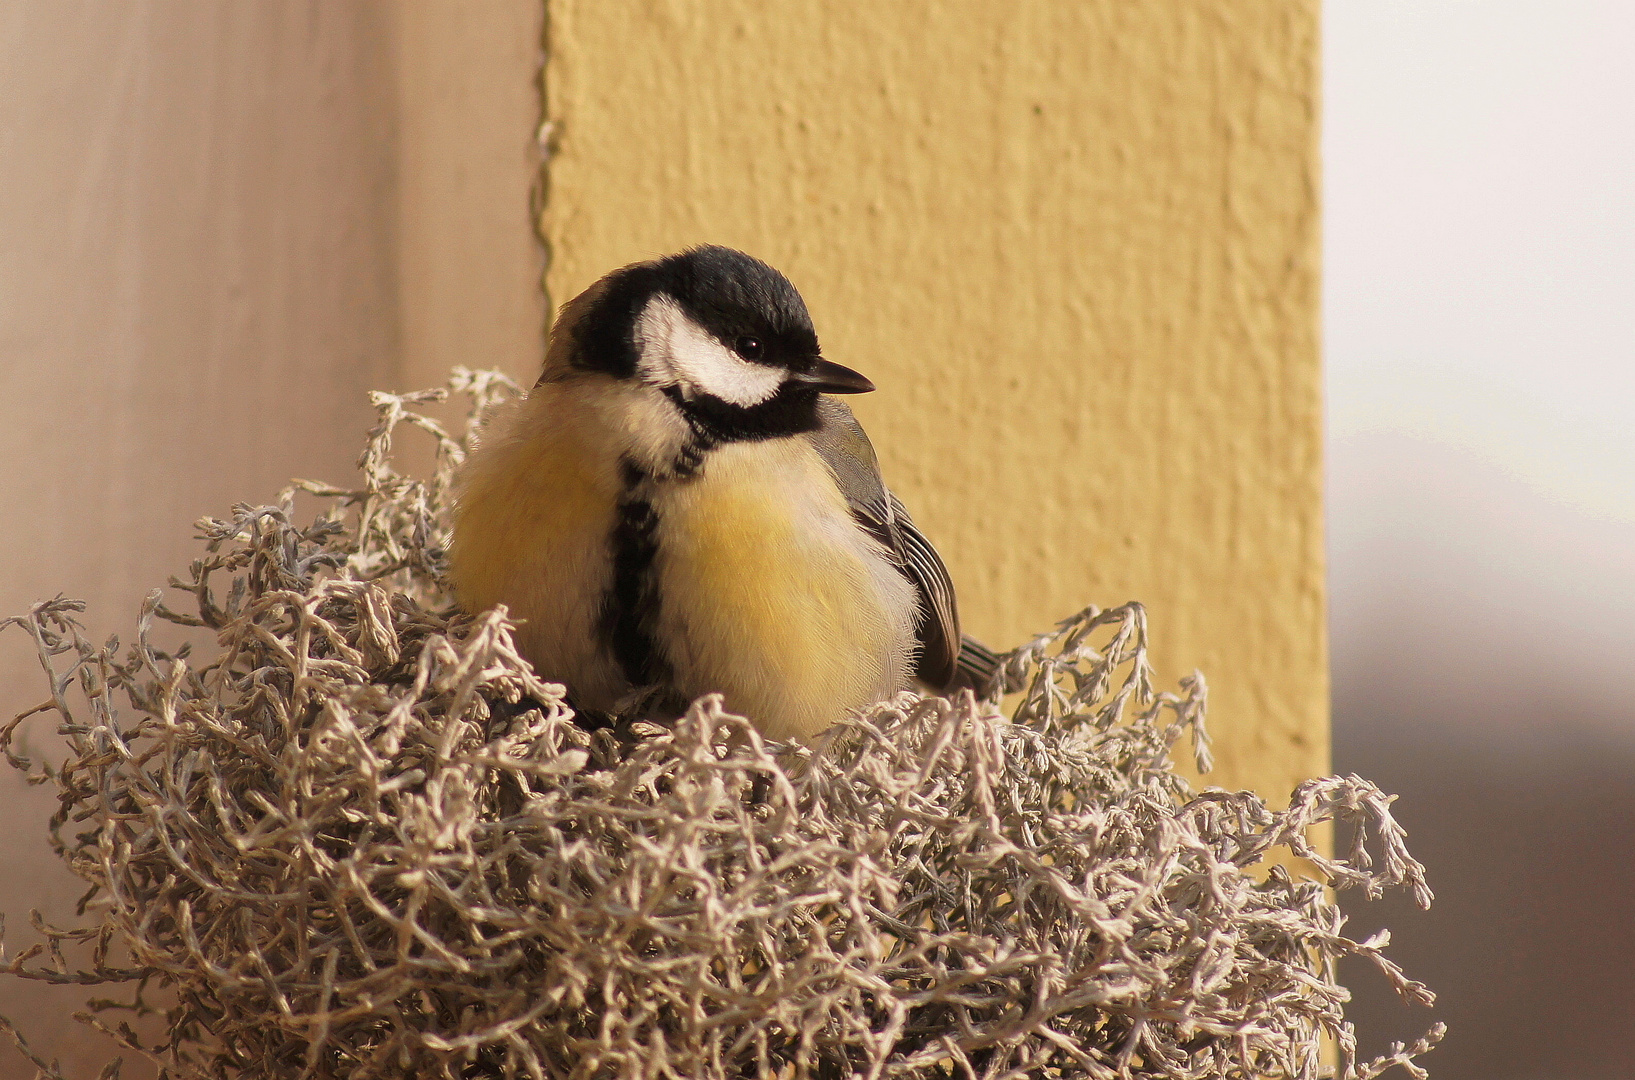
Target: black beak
{"type": "Point", "coordinates": [833, 379]}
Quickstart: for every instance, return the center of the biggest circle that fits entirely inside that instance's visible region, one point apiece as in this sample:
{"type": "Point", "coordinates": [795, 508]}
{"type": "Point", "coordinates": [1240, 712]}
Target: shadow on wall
{"type": "Point", "coordinates": [1482, 636]}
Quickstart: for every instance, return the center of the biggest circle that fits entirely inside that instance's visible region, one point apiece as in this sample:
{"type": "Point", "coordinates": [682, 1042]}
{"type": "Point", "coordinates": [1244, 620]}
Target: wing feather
{"type": "Point", "coordinates": [847, 451]}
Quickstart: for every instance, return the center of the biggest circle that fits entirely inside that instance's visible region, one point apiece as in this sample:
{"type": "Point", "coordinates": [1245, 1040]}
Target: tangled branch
{"type": "Point", "coordinates": [360, 838]}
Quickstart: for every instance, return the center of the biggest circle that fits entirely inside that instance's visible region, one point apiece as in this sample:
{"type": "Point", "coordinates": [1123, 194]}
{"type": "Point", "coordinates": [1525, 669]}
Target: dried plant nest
{"type": "Point", "coordinates": [362, 839]}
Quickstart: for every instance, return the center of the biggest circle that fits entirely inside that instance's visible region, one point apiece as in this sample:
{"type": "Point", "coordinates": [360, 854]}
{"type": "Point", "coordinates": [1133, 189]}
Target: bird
{"type": "Point", "coordinates": [682, 505]}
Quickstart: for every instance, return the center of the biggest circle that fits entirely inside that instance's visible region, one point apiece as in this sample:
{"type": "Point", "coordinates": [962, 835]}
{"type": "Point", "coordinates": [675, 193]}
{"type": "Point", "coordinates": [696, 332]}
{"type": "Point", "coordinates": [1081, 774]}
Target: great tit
{"type": "Point", "coordinates": [679, 507]}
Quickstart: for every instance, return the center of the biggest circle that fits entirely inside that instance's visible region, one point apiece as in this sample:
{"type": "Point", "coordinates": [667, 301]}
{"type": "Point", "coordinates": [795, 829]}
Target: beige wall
{"type": "Point", "coordinates": [221, 224]}
{"type": "Point", "coordinates": [197, 287]}
{"type": "Point", "coordinates": [1074, 245]}
{"type": "Point", "coordinates": [468, 122]}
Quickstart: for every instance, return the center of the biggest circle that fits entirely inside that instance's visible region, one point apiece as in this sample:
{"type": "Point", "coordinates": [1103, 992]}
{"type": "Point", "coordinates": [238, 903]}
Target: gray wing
{"type": "Point", "coordinates": [844, 447]}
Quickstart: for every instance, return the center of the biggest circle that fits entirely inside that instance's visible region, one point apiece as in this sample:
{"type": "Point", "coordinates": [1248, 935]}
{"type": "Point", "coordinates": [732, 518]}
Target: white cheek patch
{"type": "Point", "coordinates": [673, 350]}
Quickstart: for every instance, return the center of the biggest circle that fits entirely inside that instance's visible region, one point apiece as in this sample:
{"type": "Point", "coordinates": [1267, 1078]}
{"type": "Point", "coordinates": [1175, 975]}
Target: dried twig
{"type": "Point", "coordinates": [362, 839]}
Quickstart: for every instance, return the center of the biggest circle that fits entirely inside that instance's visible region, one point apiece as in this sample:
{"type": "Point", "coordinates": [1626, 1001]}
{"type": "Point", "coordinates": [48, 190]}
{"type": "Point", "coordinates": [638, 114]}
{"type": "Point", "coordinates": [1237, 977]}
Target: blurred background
{"type": "Point", "coordinates": [1479, 298]}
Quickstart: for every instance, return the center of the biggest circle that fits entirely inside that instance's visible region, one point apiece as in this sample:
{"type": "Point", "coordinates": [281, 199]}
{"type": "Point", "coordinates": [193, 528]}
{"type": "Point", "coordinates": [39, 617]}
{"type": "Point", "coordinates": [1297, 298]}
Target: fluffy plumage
{"type": "Point", "coordinates": [678, 508]}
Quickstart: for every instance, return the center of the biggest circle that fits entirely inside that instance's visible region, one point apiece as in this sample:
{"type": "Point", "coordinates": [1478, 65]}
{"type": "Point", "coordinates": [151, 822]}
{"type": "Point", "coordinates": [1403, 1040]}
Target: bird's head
{"type": "Point", "coordinates": [722, 335]}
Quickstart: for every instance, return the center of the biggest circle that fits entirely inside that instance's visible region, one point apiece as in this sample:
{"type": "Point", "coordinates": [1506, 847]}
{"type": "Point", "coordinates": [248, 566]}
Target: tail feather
{"type": "Point", "coordinates": [976, 667]}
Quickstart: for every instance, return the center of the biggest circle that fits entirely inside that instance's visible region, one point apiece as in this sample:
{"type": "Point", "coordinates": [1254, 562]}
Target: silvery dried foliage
{"type": "Point", "coordinates": [360, 838]}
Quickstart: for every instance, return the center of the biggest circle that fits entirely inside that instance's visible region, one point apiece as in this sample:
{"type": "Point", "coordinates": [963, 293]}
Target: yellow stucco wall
{"type": "Point", "coordinates": [1074, 244]}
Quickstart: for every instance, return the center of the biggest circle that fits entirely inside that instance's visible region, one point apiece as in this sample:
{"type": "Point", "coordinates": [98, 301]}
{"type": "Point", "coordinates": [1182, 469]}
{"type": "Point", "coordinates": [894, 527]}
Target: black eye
{"type": "Point", "coordinates": [750, 348]}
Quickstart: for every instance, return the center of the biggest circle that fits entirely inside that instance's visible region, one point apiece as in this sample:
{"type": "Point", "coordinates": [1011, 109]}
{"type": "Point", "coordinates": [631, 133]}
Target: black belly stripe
{"type": "Point", "coordinates": [632, 600]}
{"type": "Point", "coordinates": [688, 460]}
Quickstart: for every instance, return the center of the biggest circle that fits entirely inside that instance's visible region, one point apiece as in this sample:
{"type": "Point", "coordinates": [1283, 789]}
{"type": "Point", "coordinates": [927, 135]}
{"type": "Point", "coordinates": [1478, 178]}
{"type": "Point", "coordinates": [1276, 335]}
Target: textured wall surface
{"type": "Point", "coordinates": [196, 290]}
{"type": "Point", "coordinates": [1074, 245]}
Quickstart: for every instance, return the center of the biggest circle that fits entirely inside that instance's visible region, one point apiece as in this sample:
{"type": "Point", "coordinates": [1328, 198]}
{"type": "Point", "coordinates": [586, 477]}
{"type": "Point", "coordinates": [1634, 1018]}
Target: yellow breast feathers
{"type": "Point", "coordinates": [531, 531]}
{"type": "Point", "coordinates": [771, 595]}
{"type": "Point", "coordinates": [766, 590]}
